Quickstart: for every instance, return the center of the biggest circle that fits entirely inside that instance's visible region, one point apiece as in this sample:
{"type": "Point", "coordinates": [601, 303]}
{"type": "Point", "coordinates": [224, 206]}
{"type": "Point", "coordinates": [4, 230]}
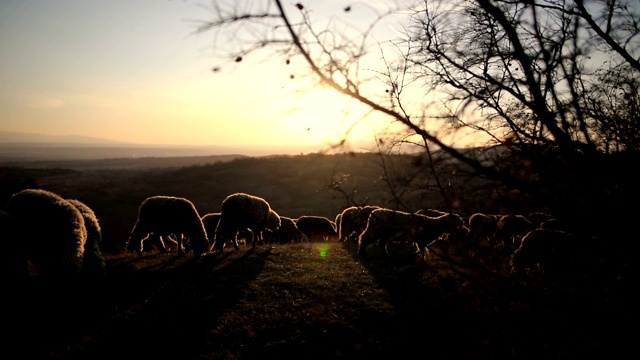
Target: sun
{"type": "Point", "coordinates": [325, 115]}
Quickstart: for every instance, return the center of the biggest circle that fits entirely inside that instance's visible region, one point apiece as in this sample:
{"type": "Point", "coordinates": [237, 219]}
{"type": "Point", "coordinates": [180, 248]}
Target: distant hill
{"type": "Point", "coordinates": [21, 147]}
{"type": "Point", "coordinates": [14, 137]}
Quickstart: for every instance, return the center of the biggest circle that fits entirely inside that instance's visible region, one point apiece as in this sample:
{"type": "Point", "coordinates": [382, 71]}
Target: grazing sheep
{"type": "Point", "coordinates": [386, 225]}
{"type": "Point", "coordinates": [347, 222]}
{"type": "Point", "coordinates": [210, 223]}
{"type": "Point", "coordinates": [317, 228]}
{"type": "Point", "coordinates": [93, 263]}
{"type": "Point", "coordinates": [511, 228]}
{"type": "Point", "coordinates": [50, 233]}
{"type": "Point", "coordinates": [354, 221]}
{"type": "Point", "coordinates": [242, 211]}
{"type": "Point", "coordinates": [554, 224]}
{"type": "Point", "coordinates": [482, 229]}
{"type": "Point", "coordinates": [552, 252]}
{"type": "Point", "coordinates": [537, 218]}
{"type": "Point", "coordinates": [163, 243]}
{"type": "Point", "coordinates": [287, 233]}
{"type": "Point", "coordinates": [430, 212]}
{"type": "Point", "coordinates": [169, 215]}
{"type": "Point", "coordinates": [337, 221]}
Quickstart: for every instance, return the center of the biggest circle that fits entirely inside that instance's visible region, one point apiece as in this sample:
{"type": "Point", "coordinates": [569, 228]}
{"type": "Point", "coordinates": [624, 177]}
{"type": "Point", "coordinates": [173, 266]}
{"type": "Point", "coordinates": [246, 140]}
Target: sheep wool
{"type": "Point", "coordinates": [93, 263]}
{"type": "Point", "coordinates": [386, 225]}
{"type": "Point", "coordinates": [240, 211]}
{"type": "Point", "coordinates": [51, 232]}
{"type": "Point", "coordinates": [169, 215]}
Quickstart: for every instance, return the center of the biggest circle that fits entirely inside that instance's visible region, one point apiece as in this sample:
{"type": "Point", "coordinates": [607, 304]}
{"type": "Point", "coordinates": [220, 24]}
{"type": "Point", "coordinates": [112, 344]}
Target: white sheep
{"type": "Point", "coordinates": [386, 225]}
{"type": "Point", "coordinates": [240, 211]}
{"type": "Point", "coordinates": [169, 215]}
{"type": "Point", "coordinates": [93, 263]}
{"type": "Point", "coordinates": [49, 232]}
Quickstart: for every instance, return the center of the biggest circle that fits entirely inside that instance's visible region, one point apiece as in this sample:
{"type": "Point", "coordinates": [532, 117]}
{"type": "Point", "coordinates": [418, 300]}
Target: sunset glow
{"type": "Point", "coordinates": [136, 73]}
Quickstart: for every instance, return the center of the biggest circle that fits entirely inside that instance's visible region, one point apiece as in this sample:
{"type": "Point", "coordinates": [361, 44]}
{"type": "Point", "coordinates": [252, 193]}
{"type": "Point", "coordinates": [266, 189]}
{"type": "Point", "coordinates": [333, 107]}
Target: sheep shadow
{"type": "Point", "coordinates": [156, 305]}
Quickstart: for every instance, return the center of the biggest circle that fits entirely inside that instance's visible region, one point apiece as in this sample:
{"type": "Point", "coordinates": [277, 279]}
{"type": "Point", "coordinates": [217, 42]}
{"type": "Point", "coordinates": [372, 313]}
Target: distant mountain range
{"type": "Point", "coordinates": [19, 147]}
{"type": "Point", "coordinates": [12, 137]}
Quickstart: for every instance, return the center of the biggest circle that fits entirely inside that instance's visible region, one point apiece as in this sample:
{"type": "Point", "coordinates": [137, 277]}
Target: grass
{"type": "Point", "coordinates": [315, 301]}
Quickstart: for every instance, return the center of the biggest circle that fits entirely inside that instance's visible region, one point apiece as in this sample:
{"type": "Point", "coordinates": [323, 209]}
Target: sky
{"type": "Point", "coordinates": [135, 71]}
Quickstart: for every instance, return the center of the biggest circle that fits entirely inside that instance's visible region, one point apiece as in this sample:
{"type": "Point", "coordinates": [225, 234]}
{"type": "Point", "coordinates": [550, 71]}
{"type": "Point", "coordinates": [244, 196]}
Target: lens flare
{"type": "Point", "coordinates": [324, 248]}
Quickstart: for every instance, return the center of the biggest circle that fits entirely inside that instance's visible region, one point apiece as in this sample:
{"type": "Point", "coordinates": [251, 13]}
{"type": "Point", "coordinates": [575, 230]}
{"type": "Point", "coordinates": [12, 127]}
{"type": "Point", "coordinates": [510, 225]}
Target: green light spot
{"type": "Point", "coordinates": [323, 249]}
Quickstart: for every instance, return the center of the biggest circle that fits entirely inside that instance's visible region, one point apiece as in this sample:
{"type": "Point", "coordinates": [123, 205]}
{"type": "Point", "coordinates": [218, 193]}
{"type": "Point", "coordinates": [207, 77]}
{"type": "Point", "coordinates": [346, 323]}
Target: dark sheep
{"type": "Point", "coordinates": [386, 225]}
{"type": "Point", "coordinates": [317, 228]}
{"type": "Point", "coordinates": [554, 252]}
{"type": "Point", "coordinates": [337, 221]}
{"type": "Point", "coordinates": [482, 229]}
{"type": "Point", "coordinates": [210, 223]}
{"type": "Point", "coordinates": [287, 233]}
{"type": "Point", "coordinates": [50, 233]}
{"type": "Point", "coordinates": [166, 216]}
{"type": "Point", "coordinates": [93, 263]}
{"type": "Point", "coordinates": [511, 229]}
{"type": "Point", "coordinates": [242, 211]}
{"type": "Point", "coordinates": [354, 221]}
{"type": "Point", "coordinates": [347, 222]}
{"type": "Point", "coordinates": [430, 212]}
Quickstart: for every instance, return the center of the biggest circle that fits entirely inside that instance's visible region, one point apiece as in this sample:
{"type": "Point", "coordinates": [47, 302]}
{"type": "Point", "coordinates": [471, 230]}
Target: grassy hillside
{"type": "Point", "coordinates": [291, 302]}
{"type": "Point", "coordinates": [304, 301]}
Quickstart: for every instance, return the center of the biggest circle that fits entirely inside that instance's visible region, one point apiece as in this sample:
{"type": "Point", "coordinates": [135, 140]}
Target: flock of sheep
{"type": "Point", "coordinates": [61, 237]}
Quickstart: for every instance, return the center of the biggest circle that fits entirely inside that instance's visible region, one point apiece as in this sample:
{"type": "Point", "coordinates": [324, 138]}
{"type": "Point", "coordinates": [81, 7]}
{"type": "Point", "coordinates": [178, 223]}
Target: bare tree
{"type": "Point", "coordinates": [553, 83]}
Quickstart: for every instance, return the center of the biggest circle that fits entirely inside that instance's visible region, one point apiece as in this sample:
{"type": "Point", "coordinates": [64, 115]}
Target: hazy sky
{"type": "Point", "coordinates": [133, 71]}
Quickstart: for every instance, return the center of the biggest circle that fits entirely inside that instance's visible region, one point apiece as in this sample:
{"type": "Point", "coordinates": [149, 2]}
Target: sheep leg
{"type": "Point", "coordinates": [136, 238]}
{"type": "Point", "coordinates": [235, 243]}
{"type": "Point", "coordinates": [384, 246]}
{"type": "Point", "coordinates": [363, 242]}
{"type": "Point", "coordinates": [421, 246]}
{"type": "Point", "coordinates": [180, 239]}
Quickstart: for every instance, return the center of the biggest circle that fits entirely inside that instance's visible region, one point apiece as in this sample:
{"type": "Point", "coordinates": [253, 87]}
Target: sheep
{"type": "Point", "coordinates": [164, 243]}
{"type": "Point", "coordinates": [553, 252]}
{"type": "Point", "coordinates": [93, 263]}
{"type": "Point", "coordinates": [347, 221]}
{"type": "Point", "coordinates": [50, 233]}
{"type": "Point", "coordinates": [169, 215]}
{"type": "Point", "coordinates": [430, 212]}
{"type": "Point", "coordinates": [354, 221]}
{"type": "Point", "coordinates": [287, 233]}
{"type": "Point", "coordinates": [511, 228]}
{"type": "Point", "coordinates": [317, 227]}
{"type": "Point", "coordinates": [241, 211]}
{"type": "Point", "coordinates": [386, 225]}
{"type": "Point", "coordinates": [482, 229]}
{"type": "Point", "coordinates": [337, 221]}
{"type": "Point", "coordinates": [537, 218]}
{"type": "Point", "coordinates": [555, 224]}
{"type": "Point", "coordinates": [210, 223]}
